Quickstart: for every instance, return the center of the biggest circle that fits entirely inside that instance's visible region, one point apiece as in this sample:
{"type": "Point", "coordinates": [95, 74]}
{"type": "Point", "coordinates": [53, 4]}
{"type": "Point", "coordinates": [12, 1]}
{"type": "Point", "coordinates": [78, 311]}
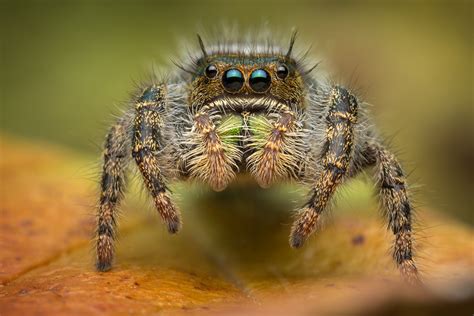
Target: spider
{"type": "Point", "coordinates": [255, 109]}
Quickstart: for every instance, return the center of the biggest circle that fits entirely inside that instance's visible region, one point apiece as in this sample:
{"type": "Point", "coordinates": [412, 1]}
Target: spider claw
{"type": "Point", "coordinates": [168, 212]}
{"type": "Point", "coordinates": [297, 240]}
{"type": "Point", "coordinates": [174, 226]}
{"type": "Point", "coordinates": [303, 227]}
{"type": "Point", "coordinates": [103, 266]}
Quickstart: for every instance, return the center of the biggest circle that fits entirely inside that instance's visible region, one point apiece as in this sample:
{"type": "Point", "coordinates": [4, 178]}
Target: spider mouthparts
{"type": "Point", "coordinates": [248, 104]}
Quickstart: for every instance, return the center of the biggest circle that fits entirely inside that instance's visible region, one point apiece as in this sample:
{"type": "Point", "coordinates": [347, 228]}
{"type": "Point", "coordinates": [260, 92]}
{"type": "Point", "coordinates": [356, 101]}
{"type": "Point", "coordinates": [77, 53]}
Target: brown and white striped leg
{"type": "Point", "coordinates": [335, 159]}
{"type": "Point", "coordinates": [146, 145]}
{"type": "Point", "coordinates": [398, 209]}
{"type": "Point", "coordinates": [116, 157]}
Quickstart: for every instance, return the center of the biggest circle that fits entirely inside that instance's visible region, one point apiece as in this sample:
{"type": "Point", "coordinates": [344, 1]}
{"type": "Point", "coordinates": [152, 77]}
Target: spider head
{"type": "Point", "coordinates": [245, 80]}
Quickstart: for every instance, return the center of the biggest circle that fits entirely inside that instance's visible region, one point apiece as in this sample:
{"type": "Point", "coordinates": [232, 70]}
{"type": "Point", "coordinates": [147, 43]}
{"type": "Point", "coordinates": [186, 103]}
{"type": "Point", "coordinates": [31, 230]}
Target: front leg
{"type": "Point", "coordinates": [335, 158]}
{"type": "Point", "coordinates": [146, 146]}
{"type": "Point", "coordinates": [397, 207]}
{"type": "Point", "coordinates": [112, 186]}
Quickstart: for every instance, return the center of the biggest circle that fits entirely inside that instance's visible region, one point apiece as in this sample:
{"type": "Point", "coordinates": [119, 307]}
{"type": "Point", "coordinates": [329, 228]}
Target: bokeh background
{"type": "Point", "coordinates": [66, 65]}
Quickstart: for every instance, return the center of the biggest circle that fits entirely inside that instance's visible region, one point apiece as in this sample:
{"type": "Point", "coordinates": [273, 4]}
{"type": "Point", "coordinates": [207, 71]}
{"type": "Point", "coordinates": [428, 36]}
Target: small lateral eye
{"type": "Point", "coordinates": [211, 71]}
{"type": "Point", "coordinates": [282, 71]}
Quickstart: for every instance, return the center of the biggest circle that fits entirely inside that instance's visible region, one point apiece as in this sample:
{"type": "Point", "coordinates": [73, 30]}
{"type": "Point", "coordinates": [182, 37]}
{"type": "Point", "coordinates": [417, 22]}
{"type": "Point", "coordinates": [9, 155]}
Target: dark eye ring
{"type": "Point", "coordinates": [211, 71]}
{"type": "Point", "coordinates": [282, 71]}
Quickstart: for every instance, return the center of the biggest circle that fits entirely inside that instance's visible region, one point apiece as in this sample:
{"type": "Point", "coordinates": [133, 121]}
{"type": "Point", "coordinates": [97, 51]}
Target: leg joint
{"type": "Point", "coordinates": [344, 104]}
{"type": "Point", "coordinates": [151, 94]}
{"type": "Point", "coordinates": [105, 229]}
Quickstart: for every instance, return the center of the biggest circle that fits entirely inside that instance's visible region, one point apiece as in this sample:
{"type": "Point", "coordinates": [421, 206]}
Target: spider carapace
{"type": "Point", "coordinates": [257, 109]}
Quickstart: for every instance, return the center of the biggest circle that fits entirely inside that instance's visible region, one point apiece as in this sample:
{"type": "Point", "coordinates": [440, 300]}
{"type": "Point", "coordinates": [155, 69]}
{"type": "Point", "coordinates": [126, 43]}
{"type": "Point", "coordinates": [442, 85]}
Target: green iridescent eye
{"type": "Point", "coordinates": [260, 80]}
{"type": "Point", "coordinates": [233, 80]}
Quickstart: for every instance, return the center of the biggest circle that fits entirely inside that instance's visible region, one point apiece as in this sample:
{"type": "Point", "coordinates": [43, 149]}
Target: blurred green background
{"type": "Point", "coordinates": [66, 66]}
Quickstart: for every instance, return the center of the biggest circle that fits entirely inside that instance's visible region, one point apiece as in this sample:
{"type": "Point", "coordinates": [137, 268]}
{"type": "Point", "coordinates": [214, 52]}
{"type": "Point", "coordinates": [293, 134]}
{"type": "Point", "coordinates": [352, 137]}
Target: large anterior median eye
{"type": "Point", "coordinates": [260, 80]}
{"type": "Point", "coordinates": [233, 80]}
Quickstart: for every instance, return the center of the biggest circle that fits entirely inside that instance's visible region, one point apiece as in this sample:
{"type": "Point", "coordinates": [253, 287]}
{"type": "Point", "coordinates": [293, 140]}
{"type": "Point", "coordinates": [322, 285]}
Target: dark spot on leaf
{"type": "Point", "coordinates": [358, 240]}
{"type": "Point", "coordinates": [23, 292]}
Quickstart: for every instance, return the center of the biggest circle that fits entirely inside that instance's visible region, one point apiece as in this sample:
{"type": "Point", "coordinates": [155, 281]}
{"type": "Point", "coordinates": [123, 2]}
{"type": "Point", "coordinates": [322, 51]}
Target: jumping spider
{"type": "Point", "coordinates": [256, 109]}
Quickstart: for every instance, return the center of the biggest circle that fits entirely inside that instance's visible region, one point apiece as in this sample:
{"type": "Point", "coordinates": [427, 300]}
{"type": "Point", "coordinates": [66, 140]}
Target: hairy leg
{"type": "Point", "coordinates": [398, 209]}
{"type": "Point", "coordinates": [116, 157]}
{"type": "Point", "coordinates": [146, 146]}
{"type": "Point", "coordinates": [335, 159]}
{"type": "Point", "coordinates": [212, 160]}
{"type": "Point", "coordinates": [270, 161]}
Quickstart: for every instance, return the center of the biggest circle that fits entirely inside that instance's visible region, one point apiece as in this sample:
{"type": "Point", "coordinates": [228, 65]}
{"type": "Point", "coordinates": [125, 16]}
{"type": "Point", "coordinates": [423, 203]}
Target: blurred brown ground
{"type": "Point", "coordinates": [232, 256]}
